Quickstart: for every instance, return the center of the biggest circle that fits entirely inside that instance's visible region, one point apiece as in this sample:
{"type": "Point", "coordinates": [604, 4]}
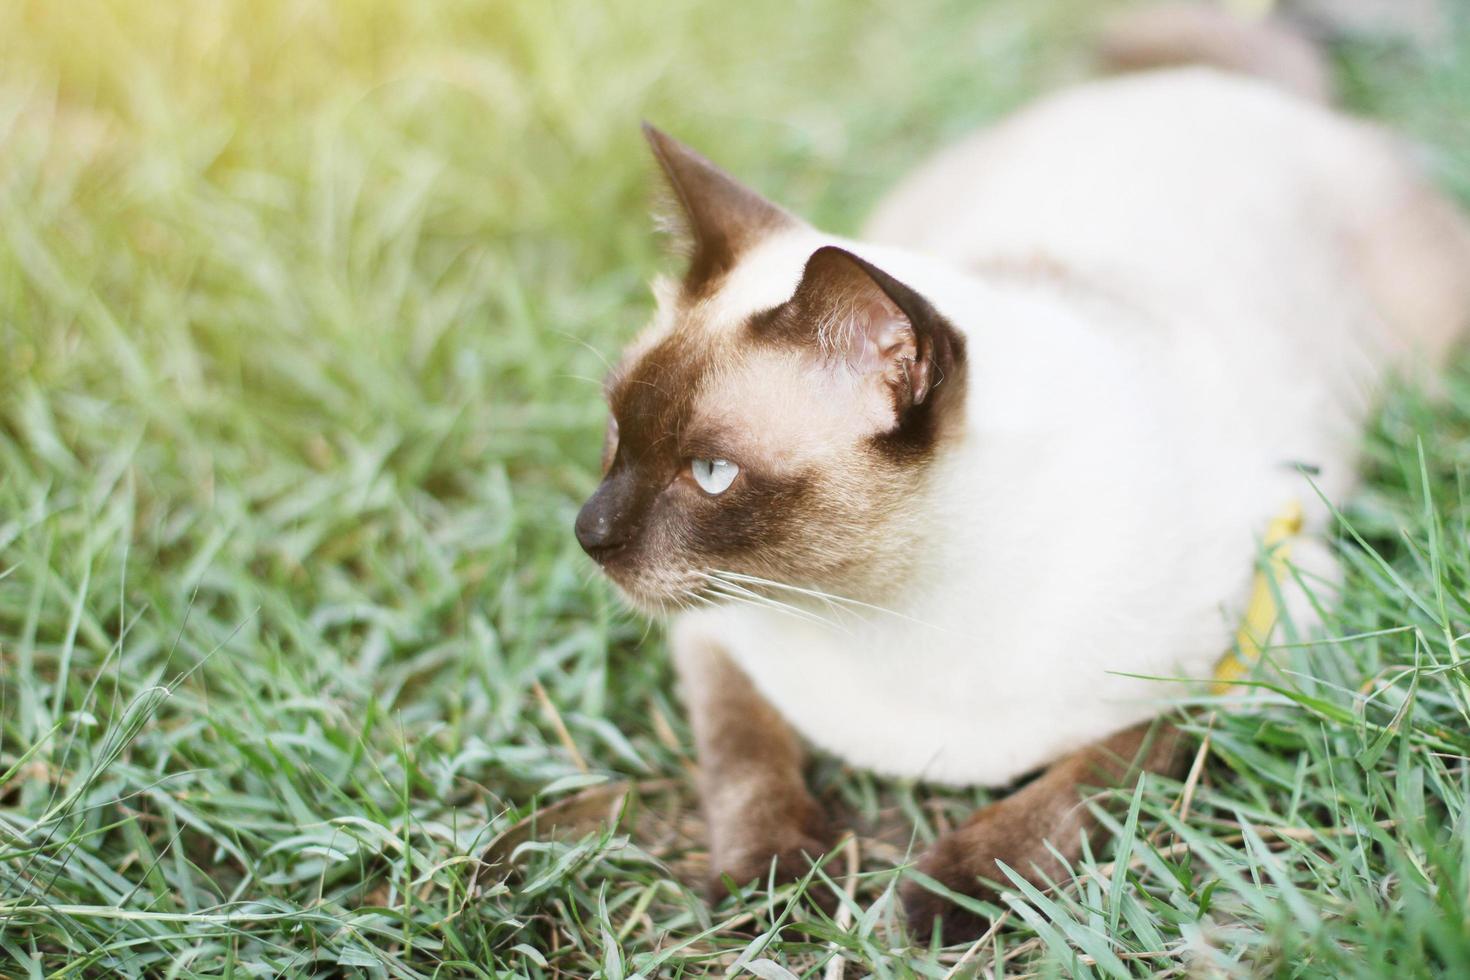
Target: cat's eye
{"type": "Point", "coordinates": [714, 476]}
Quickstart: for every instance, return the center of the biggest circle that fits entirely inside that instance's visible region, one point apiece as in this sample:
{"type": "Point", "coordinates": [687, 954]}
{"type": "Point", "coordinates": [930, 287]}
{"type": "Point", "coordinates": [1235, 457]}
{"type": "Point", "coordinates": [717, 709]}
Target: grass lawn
{"type": "Point", "coordinates": [302, 309]}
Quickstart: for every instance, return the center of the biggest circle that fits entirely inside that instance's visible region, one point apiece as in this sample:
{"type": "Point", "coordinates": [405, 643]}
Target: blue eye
{"type": "Point", "coordinates": [714, 476]}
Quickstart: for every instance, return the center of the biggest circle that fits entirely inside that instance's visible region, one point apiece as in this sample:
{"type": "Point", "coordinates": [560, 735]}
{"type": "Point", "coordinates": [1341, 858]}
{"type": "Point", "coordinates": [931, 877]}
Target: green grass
{"type": "Point", "coordinates": [298, 308]}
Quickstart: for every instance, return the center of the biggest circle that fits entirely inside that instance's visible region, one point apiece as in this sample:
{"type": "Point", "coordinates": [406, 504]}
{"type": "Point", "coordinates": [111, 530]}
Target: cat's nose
{"type": "Point", "coordinates": [594, 532]}
{"type": "Point", "coordinates": [599, 531]}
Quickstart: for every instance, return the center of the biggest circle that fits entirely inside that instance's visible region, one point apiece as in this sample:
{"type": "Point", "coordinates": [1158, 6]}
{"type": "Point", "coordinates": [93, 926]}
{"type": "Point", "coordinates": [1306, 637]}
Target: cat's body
{"type": "Point", "coordinates": [1034, 424]}
{"type": "Point", "coordinates": [1169, 304]}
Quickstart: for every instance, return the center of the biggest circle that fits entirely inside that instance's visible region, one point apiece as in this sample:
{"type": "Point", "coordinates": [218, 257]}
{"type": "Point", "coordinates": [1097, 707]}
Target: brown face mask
{"type": "Point", "coordinates": [784, 446]}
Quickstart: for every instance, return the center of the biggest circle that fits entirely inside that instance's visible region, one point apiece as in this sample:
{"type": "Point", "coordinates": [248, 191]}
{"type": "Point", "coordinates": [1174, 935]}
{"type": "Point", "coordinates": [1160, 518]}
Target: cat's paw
{"type": "Point", "coordinates": [791, 861]}
{"type": "Point", "coordinates": [947, 862]}
{"type": "Point", "coordinates": [965, 858]}
{"type": "Point", "coordinates": [747, 852]}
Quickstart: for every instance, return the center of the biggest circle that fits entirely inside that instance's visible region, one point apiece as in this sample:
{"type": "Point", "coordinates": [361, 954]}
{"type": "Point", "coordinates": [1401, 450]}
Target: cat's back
{"type": "Point", "coordinates": [1196, 189]}
{"type": "Point", "coordinates": [1143, 162]}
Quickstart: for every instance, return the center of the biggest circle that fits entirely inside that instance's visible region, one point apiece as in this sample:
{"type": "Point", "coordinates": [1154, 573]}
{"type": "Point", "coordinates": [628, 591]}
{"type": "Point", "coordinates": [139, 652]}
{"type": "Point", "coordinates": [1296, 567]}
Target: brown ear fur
{"type": "Point", "coordinates": [849, 309]}
{"type": "Point", "coordinates": [721, 216]}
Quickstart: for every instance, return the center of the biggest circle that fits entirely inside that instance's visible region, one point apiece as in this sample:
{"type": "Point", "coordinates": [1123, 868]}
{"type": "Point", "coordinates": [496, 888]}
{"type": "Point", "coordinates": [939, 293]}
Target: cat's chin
{"type": "Point", "coordinates": [661, 598]}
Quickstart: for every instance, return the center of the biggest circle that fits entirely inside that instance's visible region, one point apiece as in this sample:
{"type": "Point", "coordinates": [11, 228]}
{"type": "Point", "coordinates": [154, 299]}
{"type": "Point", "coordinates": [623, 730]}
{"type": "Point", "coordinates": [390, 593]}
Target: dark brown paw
{"type": "Point", "coordinates": [967, 859]}
{"type": "Point", "coordinates": [791, 862]}
{"type": "Point", "coordinates": [927, 911]}
{"type": "Point", "coordinates": [747, 852]}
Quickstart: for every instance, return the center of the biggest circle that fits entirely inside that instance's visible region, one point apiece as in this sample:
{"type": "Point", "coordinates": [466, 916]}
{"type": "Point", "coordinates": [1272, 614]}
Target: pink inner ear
{"type": "Point", "coordinates": [858, 325]}
{"type": "Point", "coordinates": [879, 337]}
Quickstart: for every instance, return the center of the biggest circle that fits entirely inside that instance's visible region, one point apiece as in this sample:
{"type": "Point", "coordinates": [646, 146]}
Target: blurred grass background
{"type": "Point", "coordinates": [302, 306]}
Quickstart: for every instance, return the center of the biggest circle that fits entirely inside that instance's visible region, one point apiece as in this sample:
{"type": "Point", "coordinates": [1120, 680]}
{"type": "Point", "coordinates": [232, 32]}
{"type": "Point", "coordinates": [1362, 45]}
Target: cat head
{"type": "Point", "coordinates": [778, 418]}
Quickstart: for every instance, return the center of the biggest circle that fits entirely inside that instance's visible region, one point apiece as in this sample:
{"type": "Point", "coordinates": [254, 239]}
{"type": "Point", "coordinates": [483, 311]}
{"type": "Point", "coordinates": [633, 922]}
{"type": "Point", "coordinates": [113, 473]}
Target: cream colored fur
{"type": "Point", "coordinates": [1173, 286]}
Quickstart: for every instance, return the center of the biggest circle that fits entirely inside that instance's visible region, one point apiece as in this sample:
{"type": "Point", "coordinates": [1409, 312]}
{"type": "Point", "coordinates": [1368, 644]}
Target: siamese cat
{"type": "Point", "coordinates": [935, 499]}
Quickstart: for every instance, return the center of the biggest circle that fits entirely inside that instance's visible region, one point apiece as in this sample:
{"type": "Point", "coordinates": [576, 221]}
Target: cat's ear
{"type": "Point", "coordinates": [719, 217]}
{"type": "Point", "coordinates": [860, 316]}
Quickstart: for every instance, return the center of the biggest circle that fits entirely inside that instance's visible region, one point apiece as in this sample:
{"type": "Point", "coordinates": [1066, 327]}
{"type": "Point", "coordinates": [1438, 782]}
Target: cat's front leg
{"type": "Point", "coordinates": [1016, 830]}
{"type": "Point", "coordinates": [756, 803]}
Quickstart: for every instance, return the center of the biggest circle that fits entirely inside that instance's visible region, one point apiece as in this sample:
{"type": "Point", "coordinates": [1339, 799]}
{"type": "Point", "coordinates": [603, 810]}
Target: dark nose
{"type": "Point", "coordinates": [601, 527]}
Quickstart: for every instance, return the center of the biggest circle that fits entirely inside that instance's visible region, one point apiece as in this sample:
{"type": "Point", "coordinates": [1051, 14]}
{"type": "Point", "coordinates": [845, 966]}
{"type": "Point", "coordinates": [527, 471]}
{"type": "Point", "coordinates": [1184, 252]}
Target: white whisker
{"type": "Point", "coordinates": [738, 593]}
{"type": "Point", "coordinates": [595, 352]}
{"type": "Point", "coordinates": [817, 594]}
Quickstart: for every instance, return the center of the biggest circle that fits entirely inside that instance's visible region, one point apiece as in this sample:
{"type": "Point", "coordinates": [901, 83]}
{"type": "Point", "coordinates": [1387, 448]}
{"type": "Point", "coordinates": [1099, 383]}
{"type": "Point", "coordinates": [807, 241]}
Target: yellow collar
{"type": "Point", "coordinates": [1262, 612]}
